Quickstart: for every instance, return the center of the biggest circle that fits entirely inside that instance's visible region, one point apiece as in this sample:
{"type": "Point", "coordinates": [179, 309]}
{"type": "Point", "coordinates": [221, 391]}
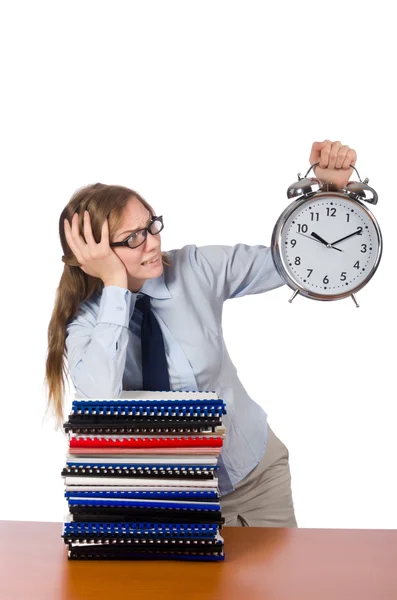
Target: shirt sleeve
{"type": "Point", "coordinates": [236, 271]}
{"type": "Point", "coordinates": [96, 343]}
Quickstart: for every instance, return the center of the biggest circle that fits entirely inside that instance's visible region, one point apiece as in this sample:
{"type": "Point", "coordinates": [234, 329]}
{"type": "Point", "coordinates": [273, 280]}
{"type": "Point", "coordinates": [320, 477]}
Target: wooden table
{"type": "Point", "coordinates": [271, 564]}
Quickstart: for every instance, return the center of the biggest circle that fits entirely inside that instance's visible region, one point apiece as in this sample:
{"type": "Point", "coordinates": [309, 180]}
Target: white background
{"type": "Point", "coordinates": [208, 110]}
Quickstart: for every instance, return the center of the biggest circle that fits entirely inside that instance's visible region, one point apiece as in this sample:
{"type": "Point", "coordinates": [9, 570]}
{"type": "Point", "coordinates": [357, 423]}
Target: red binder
{"type": "Point", "coordinates": [177, 442]}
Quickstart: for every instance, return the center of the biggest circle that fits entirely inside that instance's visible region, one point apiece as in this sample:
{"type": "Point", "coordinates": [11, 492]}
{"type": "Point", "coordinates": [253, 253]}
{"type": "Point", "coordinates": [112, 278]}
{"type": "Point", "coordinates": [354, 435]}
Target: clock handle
{"type": "Point", "coordinates": [354, 189]}
{"type": "Point", "coordinates": [317, 163]}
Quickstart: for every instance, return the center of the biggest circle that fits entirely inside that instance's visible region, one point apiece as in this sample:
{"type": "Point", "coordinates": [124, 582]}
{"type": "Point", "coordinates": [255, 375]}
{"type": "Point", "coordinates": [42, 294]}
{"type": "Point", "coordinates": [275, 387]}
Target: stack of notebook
{"type": "Point", "coordinates": [141, 477]}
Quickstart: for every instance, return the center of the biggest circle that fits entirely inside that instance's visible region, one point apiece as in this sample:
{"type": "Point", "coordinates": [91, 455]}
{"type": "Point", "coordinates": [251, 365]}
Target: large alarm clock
{"type": "Point", "coordinates": [326, 245]}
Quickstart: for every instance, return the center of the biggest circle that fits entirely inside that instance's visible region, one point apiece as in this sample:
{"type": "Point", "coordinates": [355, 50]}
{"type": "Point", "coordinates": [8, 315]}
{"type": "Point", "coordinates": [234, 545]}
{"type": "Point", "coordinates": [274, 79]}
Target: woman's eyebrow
{"type": "Point", "coordinates": [135, 230]}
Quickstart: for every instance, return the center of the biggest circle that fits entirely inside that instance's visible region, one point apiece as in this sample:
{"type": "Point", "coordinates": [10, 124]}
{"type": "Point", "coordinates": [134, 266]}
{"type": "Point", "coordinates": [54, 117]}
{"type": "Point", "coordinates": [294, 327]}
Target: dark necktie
{"type": "Point", "coordinates": [154, 361]}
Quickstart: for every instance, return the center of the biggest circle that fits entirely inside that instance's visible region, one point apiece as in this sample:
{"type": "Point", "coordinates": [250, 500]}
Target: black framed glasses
{"type": "Point", "coordinates": [136, 239]}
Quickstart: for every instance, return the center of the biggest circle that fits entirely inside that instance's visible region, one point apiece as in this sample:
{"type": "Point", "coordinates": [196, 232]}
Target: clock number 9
{"type": "Point", "coordinates": [293, 243]}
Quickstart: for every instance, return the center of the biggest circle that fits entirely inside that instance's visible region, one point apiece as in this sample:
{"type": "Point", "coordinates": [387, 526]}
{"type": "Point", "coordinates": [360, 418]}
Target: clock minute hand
{"type": "Point", "coordinates": [346, 236]}
{"type": "Point", "coordinates": [320, 239]}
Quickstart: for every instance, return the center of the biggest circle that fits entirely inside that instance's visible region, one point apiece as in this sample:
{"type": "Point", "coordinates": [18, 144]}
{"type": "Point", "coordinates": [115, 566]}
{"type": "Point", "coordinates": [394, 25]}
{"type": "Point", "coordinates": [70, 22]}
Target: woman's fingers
{"type": "Point", "coordinates": [105, 234]}
{"type": "Point", "coordinates": [89, 236]}
{"type": "Point", "coordinates": [75, 240]}
{"type": "Point", "coordinates": [333, 155]}
{"type": "Point", "coordinates": [350, 159]}
{"type": "Point", "coordinates": [325, 150]}
{"type": "Point", "coordinates": [78, 240]}
{"type": "Point", "coordinates": [70, 239]}
{"type": "Point", "coordinates": [340, 159]}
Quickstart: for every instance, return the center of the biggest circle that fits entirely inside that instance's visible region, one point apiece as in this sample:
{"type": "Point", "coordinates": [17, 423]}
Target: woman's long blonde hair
{"type": "Point", "coordinates": [102, 201]}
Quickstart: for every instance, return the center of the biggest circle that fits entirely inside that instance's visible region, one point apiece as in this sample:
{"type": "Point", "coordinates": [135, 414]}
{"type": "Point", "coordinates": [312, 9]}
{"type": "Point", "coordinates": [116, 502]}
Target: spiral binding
{"type": "Point", "coordinates": [194, 495]}
{"type": "Point", "coordinates": [94, 508]}
{"type": "Point", "coordinates": [133, 409]}
{"type": "Point", "coordinates": [140, 528]}
{"type": "Point", "coordinates": [88, 427]}
{"type": "Point", "coordinates": [132, 504]}
{"type": "Point", "coordinates": [144, 469]}
{"type": "Point", "coordinates": [94, 555]}
{"type": "Point", "coordinates": [108, 541]}
{"type": "Point", "coordinates": [127, 471]}
{"type": "Point", "coordinates": [177, 442]}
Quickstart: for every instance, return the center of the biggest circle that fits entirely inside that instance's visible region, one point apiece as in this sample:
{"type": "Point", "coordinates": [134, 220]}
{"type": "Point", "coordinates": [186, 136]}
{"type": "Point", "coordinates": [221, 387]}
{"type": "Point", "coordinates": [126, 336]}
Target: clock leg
{"type": "Point", "coordinates": [355, 301]}
{"type": "Point", "coordinates": [296, 292]}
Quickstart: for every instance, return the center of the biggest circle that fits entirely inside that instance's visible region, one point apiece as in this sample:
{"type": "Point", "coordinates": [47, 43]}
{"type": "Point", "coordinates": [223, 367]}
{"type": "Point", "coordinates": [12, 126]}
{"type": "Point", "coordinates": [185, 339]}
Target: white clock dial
{"type": "Point", "coordinates": [314, 254]}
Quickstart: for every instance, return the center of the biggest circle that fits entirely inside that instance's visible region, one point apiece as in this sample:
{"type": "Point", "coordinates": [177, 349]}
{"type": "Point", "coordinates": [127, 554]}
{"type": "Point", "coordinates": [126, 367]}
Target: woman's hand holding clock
{"type": "Point", "coordinates": [335, 160]}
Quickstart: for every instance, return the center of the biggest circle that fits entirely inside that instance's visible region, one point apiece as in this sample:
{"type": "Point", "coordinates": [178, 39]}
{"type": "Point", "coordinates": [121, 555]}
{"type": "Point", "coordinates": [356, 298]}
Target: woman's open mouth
{"type": "Point", "coordinates": [152, 263]}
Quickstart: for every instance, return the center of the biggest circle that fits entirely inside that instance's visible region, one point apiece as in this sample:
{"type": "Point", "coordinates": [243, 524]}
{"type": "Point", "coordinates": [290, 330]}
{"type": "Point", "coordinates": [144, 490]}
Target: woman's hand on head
{"type": "Point", "coordinates": [335, 160]}
{"type": "Point", "coordinates": [97, 260]}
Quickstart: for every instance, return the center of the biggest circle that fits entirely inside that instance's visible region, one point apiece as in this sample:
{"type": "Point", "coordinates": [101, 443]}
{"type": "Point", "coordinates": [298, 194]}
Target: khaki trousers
{"type": "Point", "coordinates": [264, 497]}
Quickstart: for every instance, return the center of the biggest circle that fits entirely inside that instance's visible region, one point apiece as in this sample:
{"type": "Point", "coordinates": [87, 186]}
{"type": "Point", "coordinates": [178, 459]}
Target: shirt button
{"type": "Point", "coordinates": [119, 307]}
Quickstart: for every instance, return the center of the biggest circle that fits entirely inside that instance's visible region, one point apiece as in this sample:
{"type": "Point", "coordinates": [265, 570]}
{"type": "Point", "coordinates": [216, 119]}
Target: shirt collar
{"type": "Point", "coordinates": [156, 288]}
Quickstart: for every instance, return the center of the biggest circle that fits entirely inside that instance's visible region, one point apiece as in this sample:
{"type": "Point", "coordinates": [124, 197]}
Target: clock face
{"type": "Point", "coordinates": [330, 245]}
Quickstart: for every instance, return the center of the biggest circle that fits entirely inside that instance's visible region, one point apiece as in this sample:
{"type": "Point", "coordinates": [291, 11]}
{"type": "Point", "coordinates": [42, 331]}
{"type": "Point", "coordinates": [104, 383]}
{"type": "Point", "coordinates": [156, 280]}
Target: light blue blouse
{"type": "Point", "coordinates": [104, 347]}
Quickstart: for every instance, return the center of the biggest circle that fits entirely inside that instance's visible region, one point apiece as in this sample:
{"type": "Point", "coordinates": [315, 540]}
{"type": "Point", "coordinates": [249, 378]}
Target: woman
{"type": "Point", "coordinates": [114, 263]}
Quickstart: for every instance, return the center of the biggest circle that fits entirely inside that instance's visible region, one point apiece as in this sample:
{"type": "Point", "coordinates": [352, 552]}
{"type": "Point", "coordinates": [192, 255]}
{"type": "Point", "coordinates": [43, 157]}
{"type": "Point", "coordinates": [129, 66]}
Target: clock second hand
{"type": "Point", "coordinates": [313, 238]}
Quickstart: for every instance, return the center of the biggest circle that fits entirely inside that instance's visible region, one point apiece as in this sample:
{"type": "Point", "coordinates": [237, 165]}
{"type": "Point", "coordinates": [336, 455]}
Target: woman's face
{"type": "Point", "coordinates": [136, 216]}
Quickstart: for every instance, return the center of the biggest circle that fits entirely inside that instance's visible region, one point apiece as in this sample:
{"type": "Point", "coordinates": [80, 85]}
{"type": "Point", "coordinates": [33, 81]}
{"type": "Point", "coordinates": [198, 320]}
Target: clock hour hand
{"type": "Point", "coordinates": [320, 239]}
{"type": "Point", "coordinates": [346, 236]}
